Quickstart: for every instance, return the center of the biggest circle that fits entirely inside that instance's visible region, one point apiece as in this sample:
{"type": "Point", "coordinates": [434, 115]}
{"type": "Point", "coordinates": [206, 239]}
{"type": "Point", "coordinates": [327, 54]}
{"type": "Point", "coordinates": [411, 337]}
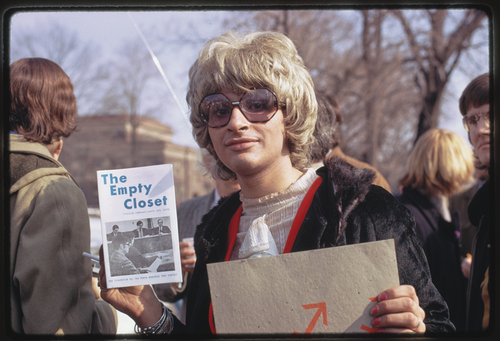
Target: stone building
{"type": "Point", "coordinates": [104, 142]}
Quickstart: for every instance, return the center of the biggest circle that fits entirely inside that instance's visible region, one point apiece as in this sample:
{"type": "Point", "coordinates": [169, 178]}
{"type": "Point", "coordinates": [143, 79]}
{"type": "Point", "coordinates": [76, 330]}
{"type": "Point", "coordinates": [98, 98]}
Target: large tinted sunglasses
{"type": "Point", "coordinates": [257, 105]}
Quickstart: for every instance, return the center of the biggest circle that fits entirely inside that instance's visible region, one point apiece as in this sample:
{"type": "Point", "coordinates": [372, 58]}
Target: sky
{"type": "Point", "coordinates": [109, 30]}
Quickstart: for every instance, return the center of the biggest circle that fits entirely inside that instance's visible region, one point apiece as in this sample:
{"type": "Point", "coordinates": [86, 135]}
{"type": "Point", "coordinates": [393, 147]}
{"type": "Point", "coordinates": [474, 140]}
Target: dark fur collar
{"type": "Point", "coordinates": [343, 188]}
{"type": "Point", "coordinates": [349, 186]}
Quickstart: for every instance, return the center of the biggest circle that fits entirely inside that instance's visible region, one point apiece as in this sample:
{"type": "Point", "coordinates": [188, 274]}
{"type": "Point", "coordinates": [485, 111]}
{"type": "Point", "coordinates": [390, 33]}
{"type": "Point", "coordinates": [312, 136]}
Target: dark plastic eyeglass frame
{"type": "Point", "coordinates": [237, 103]}
{"type": "Point", "coordinates": [486, 118]}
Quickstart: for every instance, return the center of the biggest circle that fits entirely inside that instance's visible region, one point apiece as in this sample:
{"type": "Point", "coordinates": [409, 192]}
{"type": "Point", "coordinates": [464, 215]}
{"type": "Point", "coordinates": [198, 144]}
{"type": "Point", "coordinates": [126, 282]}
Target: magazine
{"type": "Point", "coordinates": [139, 226]}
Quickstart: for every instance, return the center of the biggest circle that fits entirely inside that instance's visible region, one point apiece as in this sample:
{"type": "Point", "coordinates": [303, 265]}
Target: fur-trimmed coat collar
{"type": "Point", "coordinates": [346, 187]}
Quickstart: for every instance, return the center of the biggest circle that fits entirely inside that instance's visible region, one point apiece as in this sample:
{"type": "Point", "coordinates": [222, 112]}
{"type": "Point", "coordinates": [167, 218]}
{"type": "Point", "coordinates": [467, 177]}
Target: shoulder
{"type": "Point", "coordinates": [378, 201]}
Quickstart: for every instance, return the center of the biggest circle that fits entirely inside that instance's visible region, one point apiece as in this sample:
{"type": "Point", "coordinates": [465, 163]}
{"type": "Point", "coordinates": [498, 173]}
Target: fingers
{"type": "Point", "coordinates": [399, 322]}
{"type": "Point", "coordinates": [187, 252]}
{"type": "Point", "coordinates": [398, 311]}
{"type": "Point", "coordinates": [188, 257]}
{"type": "Point", "coordinates": [184, 245]}
{"type": "Point", "coordinates": [399, 291]}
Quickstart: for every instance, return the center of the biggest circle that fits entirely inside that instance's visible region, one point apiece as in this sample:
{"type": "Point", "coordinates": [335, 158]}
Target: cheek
{"type": "Point", "coordinates": [214, 138]}
{"type": "Point", "coordinates": [473, 140]}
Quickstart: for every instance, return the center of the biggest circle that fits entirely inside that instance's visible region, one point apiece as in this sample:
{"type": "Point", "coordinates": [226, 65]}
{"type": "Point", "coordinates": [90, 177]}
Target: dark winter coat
{"type": "Point", "coordinates": [479, 289]}
{"type": "Point", "coordinates": [346, 209]}
{"type": "Point", "coordinates": [440, 241]}
{"type": "Point", "coordinates": [50, 282]}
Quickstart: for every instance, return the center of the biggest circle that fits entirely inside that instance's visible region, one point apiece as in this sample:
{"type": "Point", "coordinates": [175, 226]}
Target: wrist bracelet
{"type": "Point", "coordinates": [164, 325]}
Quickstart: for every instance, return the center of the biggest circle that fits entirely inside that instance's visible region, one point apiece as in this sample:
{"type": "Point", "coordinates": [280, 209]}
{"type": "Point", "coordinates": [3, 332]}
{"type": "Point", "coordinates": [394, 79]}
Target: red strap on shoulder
{"type": "Point", "coordinates": [233, 231]}
{"type": "Point", "coordinates": [231, 238]}
{"type": "Point", "coordinates": [301, 214]}
{"type": "Point", "coordinates": [297, 222]}
{"type": "Point", "coordinates": [211, 318]}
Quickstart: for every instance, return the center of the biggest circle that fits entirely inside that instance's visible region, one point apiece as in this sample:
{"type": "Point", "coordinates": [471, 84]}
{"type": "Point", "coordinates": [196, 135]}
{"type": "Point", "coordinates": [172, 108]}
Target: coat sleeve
{"type": "Point", "coordinates": [52, 278]}
{"type": "Point", "coordinates": [382, 217]}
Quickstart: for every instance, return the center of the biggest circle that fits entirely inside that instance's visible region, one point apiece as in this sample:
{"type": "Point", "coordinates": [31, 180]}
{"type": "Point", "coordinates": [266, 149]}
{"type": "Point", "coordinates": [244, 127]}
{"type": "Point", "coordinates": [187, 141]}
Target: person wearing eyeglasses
{"type": "Point", "coordinates": [474, 106]}
{"type": "Point", "coordinates": [253, 108]}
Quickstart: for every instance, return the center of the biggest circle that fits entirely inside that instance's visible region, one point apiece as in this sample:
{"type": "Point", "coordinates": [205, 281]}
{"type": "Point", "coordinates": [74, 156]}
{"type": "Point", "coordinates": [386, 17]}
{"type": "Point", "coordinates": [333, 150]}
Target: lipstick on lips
{"type": "Point", "coordinates": [240, 144]}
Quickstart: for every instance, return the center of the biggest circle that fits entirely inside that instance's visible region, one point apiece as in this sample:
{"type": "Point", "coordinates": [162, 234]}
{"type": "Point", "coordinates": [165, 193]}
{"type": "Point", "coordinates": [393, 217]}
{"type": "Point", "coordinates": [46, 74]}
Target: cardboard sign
{"type": "Point", "coordinates": [320, 291]}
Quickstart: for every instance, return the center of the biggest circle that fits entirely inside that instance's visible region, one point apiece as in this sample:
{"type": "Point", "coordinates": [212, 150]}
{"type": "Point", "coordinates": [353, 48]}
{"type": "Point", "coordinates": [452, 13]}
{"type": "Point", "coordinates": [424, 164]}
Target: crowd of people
{"type": "Point", "coordinates": [282, 184]}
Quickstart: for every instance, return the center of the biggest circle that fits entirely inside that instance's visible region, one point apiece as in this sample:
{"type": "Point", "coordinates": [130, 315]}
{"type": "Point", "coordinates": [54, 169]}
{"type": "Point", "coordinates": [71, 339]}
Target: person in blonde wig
{"type": "Point", "coordinates": [255, 60]}
{"type": "Point", "coordinates": [253, 108]}
{"type": "Point", "coordinates": [440, 165]}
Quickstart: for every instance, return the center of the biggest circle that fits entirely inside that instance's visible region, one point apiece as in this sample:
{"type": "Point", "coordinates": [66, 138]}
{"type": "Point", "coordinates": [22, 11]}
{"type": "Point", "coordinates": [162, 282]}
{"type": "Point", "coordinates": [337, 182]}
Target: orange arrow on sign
{"type": "Point", "coordinates": [321, 310]}
{"type": "Point", "coordinates": [368, 329]}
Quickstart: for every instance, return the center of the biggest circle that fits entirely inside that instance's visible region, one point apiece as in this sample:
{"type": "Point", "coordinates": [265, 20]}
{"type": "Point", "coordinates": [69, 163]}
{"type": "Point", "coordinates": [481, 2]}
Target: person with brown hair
{"type": "Point", "coordinates": [51, 282]}
{"type": "Point", "coordinates": [327, 140]}
{"type": "Point", "coordinates": [474, 106]}
{"type": "Point", "coordinates": [440, 165]}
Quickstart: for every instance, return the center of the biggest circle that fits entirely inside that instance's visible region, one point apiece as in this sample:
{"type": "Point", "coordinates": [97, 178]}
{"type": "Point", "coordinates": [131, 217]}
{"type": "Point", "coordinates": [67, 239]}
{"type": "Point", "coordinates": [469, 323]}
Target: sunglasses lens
{"type": "Point", "coordinates": [259, 105]}
{"type": "Point", "coordinates": [216, 110]}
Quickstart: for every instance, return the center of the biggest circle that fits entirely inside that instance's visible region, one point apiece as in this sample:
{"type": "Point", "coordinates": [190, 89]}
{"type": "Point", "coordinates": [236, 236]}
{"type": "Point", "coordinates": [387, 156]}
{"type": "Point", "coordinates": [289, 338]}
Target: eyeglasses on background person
{"type": "Point", "coordinates": [470, 122]}
{"type": "Point", "coordinates": [257, 105]}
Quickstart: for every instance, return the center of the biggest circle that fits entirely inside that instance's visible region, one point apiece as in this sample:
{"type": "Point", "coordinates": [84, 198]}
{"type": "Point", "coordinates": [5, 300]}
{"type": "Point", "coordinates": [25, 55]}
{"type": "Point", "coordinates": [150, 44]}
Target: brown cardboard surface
{"type": "Point", "coordinates": [318, 291]}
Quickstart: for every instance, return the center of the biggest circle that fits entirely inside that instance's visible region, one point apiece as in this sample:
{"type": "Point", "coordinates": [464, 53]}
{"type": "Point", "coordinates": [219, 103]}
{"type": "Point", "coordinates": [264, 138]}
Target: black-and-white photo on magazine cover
{"type": "Point", "coordinates": [140, 246]}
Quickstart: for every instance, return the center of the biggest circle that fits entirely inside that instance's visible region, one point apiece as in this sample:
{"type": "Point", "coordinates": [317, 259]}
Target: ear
{"type": "Point", "coordinates": [57, 151]}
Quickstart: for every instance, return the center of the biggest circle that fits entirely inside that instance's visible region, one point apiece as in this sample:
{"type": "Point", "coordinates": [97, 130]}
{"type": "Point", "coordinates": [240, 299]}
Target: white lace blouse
{"type": "Point", "coordinates": [266, 221]}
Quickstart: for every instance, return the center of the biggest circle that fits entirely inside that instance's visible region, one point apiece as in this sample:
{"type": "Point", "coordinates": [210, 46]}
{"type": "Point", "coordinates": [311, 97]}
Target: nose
{"type": "Point", "coordinates": [483, 124]}
{"type": "Point", "coordinates": [237, 121]}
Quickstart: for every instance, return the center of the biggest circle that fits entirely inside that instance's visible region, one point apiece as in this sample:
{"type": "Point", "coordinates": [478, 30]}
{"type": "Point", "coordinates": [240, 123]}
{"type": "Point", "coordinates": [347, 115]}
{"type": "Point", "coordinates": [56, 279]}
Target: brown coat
{"type": "Point", "coordinates": [379, 178]}
{"type": "Point", "coordinates": [50, 288]}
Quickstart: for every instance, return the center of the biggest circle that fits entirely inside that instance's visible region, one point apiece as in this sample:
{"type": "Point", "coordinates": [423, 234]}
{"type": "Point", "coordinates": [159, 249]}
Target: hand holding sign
{"type": "Point", "coordinates": [398, 311]}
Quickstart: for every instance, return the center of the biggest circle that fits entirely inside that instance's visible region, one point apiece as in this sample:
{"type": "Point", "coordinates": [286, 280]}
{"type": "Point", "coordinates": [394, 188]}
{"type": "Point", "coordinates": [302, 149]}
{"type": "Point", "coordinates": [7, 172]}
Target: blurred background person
{"type": "Point", "coordinates": [474, 106]}
{"type": "Point", "coordinates": [460, 202]}
{"type": "Point", "coordinates": [139, 231]}
{"type": "Point", "coordinates": [51, 288]}
{"type": "Point", "coordinates": [327, 138]}
{"type": "Point", "coordinates": [440, 164]}
{"type": "Point", "coordinates": [119, 263]}
{"type": "Point", "coordinates": [114, 233]}
{"type": "Point", "coordinates": [163, 228]}
{"type": "Point", "coordinates": [189, 214]}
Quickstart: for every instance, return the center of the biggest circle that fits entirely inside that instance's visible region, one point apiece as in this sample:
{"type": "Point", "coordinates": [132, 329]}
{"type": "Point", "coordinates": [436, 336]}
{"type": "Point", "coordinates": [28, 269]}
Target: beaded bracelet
{"type": "Point", "coordinates": [163, 326]}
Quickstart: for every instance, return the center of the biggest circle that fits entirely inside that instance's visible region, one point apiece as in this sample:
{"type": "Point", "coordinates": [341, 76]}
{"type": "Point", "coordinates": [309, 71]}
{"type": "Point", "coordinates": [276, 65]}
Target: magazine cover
{"type": "Point", "coordinates": [139, 226]}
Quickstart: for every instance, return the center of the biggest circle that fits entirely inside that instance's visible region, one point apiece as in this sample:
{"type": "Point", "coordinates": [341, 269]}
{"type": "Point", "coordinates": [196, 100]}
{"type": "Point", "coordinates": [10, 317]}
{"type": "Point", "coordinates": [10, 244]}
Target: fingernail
{"type": "Point", "coordinates": [382, 297]}
{"type": "Point", "coordinates": [376, 321]}
{"type": "Point", "coordinates": [374, 310]}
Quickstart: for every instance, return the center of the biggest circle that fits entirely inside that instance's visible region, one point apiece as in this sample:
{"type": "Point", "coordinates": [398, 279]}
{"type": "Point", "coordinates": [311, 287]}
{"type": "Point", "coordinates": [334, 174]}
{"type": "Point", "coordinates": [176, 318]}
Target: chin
{"type": "Point", "coordinates": [484, 157]}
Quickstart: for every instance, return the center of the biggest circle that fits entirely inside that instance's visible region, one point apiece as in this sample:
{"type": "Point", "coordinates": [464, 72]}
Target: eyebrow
{"type": "Point", "coordinates": [480, 112]}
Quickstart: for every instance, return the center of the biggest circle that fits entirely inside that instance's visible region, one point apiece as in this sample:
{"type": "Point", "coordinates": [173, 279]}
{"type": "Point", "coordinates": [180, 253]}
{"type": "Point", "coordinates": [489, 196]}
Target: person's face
{"type": "Point", "coordinates": [126, 247]}
{"type": "Point", "coordinates": [246, 147]}
{"type": "Point", "coordinates": [480, 134]}
{"type": "Point", "coordinates": [139, 226]}
{"type": "Point", "coordinates": [160, 223]}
